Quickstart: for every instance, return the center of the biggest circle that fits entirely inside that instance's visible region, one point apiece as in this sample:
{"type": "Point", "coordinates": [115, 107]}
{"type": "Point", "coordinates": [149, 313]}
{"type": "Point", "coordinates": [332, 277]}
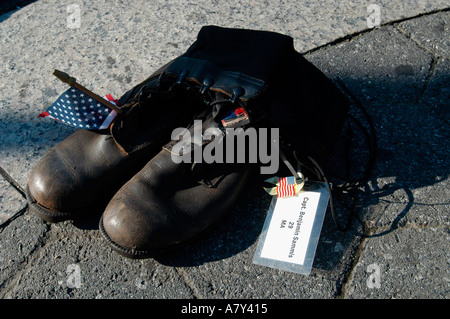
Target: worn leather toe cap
{"type": "Point", "coordinates": [52, 183]}
{"type": "Point", "coordinates": [161, 207]}
{"type": "Point", "coordinates": [139, 221]}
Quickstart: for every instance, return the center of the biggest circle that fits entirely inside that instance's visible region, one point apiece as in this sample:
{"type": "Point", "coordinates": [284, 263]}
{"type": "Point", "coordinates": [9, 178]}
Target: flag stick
{"type": "Point", "coordinates": [73, 82]}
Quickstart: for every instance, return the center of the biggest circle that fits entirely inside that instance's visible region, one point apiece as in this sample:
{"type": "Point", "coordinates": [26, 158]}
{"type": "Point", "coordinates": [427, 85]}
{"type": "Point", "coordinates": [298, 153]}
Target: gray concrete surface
{"type": "Point", "coordinates": [399, 70]}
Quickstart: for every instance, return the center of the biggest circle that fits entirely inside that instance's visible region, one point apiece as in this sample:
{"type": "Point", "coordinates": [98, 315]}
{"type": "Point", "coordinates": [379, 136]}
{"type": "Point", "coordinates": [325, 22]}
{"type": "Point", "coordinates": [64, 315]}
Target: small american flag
{"type": "Point", "coordinates": [76, 108]}
{"type": "Point", "coordinates": [286, 186]}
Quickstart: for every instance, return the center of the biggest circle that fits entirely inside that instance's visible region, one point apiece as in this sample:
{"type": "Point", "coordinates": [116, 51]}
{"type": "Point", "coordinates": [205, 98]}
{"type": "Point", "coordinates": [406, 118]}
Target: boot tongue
{"type": "Point", "coordinates": [199, 139]}
{"type": "Point", "coordinates": [150, 121]}
{"type": "Point", "coordinates": [202, 131]}
{"type": "Point", "coordinates": [189, 149]}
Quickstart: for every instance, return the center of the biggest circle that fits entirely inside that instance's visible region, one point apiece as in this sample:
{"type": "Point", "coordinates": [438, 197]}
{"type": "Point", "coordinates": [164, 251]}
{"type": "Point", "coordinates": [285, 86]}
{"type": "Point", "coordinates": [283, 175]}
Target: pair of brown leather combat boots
{"type": "Point", "coordinates": [154, 191]}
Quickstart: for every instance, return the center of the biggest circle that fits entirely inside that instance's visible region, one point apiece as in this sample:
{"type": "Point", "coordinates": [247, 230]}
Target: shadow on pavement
{"type": "Point", "coordinates": [9, 7]}
{"type": "Point", "coordinates": [412, 143]}
{"type": "Point", "coordinates": [412, 153]}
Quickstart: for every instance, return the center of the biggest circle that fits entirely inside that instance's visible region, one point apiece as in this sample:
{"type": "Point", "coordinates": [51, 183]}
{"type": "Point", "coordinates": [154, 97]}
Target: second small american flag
{"type": "Point", "coordinates": [286, 187]}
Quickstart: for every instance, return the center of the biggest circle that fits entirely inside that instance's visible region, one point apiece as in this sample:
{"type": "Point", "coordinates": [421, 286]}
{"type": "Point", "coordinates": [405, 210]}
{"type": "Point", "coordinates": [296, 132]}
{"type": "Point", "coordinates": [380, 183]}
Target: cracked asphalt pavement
{"type": "Point", "coordinates": [397, 245]}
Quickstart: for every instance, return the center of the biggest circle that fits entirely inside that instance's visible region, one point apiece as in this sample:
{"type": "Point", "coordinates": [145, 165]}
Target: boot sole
{"type": "Point", "coordinates": [53, 216]}
{"type": "Point", "coordinates": [133, 254]}
{"type": "Point", "coordinates": [142, 254]}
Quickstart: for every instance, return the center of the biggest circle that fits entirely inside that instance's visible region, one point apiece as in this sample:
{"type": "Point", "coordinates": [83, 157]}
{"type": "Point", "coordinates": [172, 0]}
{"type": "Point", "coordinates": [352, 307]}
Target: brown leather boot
{"type": "Point", "coordinates": [169, 203]}
{"type": "Point", "coordinates": [80, 174]}
{"type": "Point", "coordinates": [261, 80]}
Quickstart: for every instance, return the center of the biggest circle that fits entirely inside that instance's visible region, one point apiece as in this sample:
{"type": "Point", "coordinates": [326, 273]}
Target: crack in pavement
{"type": "Point", "coordinates": [360, 33]}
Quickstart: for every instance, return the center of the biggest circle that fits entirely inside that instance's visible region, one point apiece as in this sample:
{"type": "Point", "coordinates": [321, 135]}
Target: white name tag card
{"type": "Point", "coordinates": [292, 229]}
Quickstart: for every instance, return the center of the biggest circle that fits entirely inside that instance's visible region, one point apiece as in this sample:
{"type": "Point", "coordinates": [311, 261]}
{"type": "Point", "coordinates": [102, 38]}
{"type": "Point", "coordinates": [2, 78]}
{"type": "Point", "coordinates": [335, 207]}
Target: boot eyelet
{"type": "Point", "coordinates": [207, 83]}
{"type": "Point", "coordinates": [237, 93]}
{"type": "Point", "coordinates": [183, 74]}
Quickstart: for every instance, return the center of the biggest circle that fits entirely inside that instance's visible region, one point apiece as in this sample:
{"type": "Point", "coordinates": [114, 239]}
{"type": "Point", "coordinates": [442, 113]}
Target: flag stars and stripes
{"type": "Point", "coordinates": [84, 112]}
{"type": "Point", "coordinates": [286, 186]}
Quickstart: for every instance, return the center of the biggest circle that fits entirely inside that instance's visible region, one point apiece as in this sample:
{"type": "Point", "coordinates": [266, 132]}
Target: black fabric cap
{"type": "Point", "coordinates": [251, 52]}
